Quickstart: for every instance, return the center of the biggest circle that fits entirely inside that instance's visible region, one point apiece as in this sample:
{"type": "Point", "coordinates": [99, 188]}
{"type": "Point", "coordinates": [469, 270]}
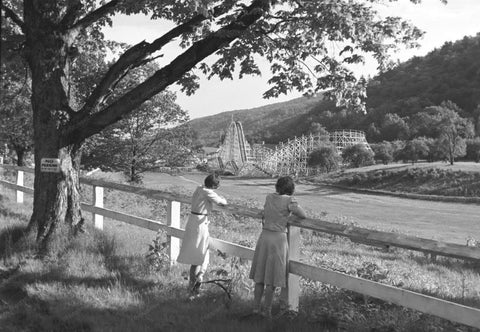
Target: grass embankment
{"type": "Point", "coordinates": [104, 282]}
{"type": "Point", "coordinates": [462, 179]}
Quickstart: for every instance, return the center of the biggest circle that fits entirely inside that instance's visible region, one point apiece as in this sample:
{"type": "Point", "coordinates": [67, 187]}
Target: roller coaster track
{"type": "Point", "coordinates": [241, 139]}
{"type": "Point", "coordinates": [234, 153]}
{"type": "Point", "coordinates": [289, 158]}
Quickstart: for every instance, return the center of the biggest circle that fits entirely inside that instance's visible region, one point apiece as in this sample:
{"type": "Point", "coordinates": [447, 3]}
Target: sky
{"type": "Point", "coordinates": [440, 22]}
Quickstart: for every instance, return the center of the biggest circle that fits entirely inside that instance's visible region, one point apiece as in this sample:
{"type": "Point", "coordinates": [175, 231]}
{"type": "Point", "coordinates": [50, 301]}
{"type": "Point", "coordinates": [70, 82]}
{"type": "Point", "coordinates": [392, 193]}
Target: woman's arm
{"type": "Point", "coordinates": [297, 210]}
{"type": "Point", "coordinates": [214, 197]}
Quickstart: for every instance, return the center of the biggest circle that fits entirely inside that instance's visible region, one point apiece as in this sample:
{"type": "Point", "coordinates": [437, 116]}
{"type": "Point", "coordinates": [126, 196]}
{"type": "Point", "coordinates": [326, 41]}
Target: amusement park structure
{"type": "Point", "coordinates": [287, 158]}
{"type": "Point", "coordinates": [235, 151]}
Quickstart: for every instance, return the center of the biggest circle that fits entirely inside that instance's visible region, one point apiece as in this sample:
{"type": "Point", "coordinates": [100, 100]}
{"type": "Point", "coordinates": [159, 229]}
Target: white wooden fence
{"type": "Point", "coordinates": [296, 269]}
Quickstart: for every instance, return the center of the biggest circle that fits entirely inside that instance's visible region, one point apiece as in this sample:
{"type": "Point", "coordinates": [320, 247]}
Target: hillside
{"type": "Point", "coordinates": [257, 122]}
{"type": "Point", "coordinates": [451, 72]}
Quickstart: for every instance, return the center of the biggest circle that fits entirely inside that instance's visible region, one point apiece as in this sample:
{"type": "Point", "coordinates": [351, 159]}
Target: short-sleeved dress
{"type": "Point", "coordinates": [194, 249]}
{"type": "Point", "coordinates": [269, 265]}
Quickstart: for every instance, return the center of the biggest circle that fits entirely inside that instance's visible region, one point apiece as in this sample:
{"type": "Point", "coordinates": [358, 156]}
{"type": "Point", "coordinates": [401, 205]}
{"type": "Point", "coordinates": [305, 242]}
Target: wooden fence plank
{"type": "Point", "coordinates": [424, 303]}
{"type": "Point", "coordinates": [165, 195]}
{"type": "Point", "coordinates": [20, 183]}
{"type": "Point", "coordinates": [150, 224]}
{"type": "Point", "coordinates": [153, 225]}
{"type": "Point", "coordinates": [14, 186]}
{"type": "Point", "coordinates": [356, 234]}
{"type": "Point", "coordinates": [97, 201]}
{"type": "Point", "coordinates": [19, 168]}
{"type": "Point", "coordinates": [231, 248]}
{"type": "Point", "coordinates": [173, 219]}
{"type": "Point", "coordinates": [293, 281]}
{"type": "Point", "coordinates": [378, 238]}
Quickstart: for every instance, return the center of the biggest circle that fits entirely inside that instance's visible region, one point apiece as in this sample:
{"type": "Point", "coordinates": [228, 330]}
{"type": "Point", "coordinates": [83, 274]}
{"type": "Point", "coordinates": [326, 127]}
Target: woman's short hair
{"type": "Point", "coordinates": [285, 186]}
{"type": "Point", "coordinates": [212, 181]}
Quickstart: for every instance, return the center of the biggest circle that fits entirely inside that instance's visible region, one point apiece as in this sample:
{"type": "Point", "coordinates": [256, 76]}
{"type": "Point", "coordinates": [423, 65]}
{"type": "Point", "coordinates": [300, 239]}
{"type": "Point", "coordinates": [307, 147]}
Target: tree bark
{"type": "Point", "coordinates": [56, 204]}
{"type": "Point", "coordinates": [56, 201]}
{"type": "Point", "coordinates": [20, 156]}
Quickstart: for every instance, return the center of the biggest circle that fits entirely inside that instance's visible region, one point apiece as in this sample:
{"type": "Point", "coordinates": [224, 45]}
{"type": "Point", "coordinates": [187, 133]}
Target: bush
{"type": "Point", "coordinates": [383, 152]}
{"type": "Point", "coordinates": [415, 149]}
{"type": "Point", "coordinates": [357, 155]}
{"type": "Point", "coordinates": [473, 149]}
{"type": "Point", "coordinates": [324, 158]}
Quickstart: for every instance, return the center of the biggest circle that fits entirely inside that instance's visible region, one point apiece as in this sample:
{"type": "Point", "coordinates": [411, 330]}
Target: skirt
{"type": "Point", "coordinates": [194, 249]}
{"type": "Point", "coordinates": [269, 264]}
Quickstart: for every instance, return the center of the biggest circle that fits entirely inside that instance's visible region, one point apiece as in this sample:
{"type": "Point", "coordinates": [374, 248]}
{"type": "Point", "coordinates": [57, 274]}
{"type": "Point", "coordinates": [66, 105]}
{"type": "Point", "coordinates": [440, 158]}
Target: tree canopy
{"type": "Point", "coordinates": [309, 45]}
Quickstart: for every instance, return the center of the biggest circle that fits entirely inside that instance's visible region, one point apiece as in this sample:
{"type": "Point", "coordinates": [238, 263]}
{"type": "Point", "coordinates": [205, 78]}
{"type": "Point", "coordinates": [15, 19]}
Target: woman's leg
{"type": "Point", "coordinates": [194, 270]}
{"type": "Point", "coordinates": [284, 299]}
{"type": "Point", "coordinates": [257, 297]}
{"type": "Point", "coordinates": [269, 291]}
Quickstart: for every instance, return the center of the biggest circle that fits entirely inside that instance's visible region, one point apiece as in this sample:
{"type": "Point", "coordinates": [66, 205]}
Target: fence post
{"type": "Point", "coordinates": [293, 281]}
{"type": "Point", "coordinates": [20, 183]}
{"type": "Point", "coordinates": [98, 202]}
{"type": "Point", "coordinates": [173, 219]}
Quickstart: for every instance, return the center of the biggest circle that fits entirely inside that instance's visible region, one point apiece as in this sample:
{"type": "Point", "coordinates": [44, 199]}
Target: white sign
{"type": "Point", "coordinates": [51, 165]}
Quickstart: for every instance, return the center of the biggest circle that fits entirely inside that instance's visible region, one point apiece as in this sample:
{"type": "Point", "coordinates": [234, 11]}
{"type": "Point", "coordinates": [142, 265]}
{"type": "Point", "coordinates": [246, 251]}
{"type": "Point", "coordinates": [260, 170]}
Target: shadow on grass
{"type": "Point", "coordinates": [322, 191]}
{"type": "Point", "coordinates": [10, 214]}
{"type": "Point", "coordinates": [161, 308]}
{"type": "Point", "coordinates": [9, 236]}
{"type": "Point", "coordinates": [434, 263]}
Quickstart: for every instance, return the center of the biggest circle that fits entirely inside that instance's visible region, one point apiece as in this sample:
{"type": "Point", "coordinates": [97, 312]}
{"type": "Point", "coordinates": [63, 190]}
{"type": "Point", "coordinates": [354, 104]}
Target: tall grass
{"type": "Point", "coordinates": [103, 281]}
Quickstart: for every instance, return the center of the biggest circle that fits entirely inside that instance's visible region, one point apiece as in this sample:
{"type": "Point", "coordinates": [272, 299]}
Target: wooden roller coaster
{"type": "Point", "coordinates": [287, 158]}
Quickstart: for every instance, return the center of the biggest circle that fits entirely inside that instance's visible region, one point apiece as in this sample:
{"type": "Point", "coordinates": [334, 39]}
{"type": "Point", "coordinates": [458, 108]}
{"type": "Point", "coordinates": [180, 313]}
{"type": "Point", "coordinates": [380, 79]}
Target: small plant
{"type": "Point", "coordinates": [235, 276]}
{"type": "Point", "coordinates": [157, 256]}
{"type": "Point", "coordinates": [371, 271]}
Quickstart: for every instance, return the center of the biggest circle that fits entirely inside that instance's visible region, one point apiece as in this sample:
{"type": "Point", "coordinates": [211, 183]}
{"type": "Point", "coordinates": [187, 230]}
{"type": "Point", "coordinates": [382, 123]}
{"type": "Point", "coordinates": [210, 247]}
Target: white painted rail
{"type": "Point", "coordinates": [427, 304]}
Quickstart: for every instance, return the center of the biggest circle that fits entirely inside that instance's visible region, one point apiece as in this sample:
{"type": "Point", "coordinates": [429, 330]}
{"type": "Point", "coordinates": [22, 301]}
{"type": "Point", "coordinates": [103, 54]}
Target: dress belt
{"type": "Point", "coordinates": [199, 214]}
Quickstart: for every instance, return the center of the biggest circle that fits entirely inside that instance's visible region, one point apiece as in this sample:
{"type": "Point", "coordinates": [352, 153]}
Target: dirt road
{"type": "Point", "coordinates": [449, 222]}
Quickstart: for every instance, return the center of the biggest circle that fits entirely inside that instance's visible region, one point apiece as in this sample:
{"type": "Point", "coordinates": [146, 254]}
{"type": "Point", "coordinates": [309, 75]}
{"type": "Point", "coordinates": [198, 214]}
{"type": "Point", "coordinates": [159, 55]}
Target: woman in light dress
{"type": "Point", "coordinates": [269, 265]}
{"type": "Point", "coordinates": [194, 249]}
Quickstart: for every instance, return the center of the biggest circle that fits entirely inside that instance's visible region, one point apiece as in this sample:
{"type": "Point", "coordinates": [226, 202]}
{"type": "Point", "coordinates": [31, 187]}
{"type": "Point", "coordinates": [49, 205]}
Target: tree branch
{"type": "Point", "coordinates": [95, 15]}
{"type": "Point", "coordinates": [73, 9]}
{"type": "Point", "coordinates": [133, 57]}
{"type": "Point", "coordinates": [14, 17]}
{"type": "Point", "coordinates": [79, 130]}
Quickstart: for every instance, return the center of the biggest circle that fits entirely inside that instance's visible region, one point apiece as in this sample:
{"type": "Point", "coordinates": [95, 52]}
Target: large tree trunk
{"type": "Point", "coordinates": [20, 156]}
{"type": "Point", "coordinates": [56, 203]}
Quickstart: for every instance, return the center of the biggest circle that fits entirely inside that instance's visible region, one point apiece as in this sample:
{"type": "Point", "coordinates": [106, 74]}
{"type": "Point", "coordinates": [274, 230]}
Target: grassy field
{"type": "Point", "coordinates": [105, 282]}
{"type": "Point", "coordinates": [460, 179]}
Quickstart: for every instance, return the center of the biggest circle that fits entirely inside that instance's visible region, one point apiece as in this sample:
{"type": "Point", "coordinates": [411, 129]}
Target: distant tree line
{"type": "Point", "coordinates": [436, 133]}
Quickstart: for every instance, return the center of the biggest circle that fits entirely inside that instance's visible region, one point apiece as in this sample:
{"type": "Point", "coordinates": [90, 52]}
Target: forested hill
{"type": "Point", "coordinates": [258, 123]}
{"type": "Point", "coordinates": [451, 72]}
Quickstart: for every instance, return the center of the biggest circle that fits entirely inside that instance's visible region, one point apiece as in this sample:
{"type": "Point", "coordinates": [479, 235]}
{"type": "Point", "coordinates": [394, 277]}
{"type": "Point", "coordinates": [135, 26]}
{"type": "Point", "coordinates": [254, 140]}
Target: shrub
{"type": "Point", "coordinates": [473, 149]}
{"type": "Point", "coordinates": [324, 158]}
{"type": "Point", "coordinates": [415, 149]}
{"type": "Point", "coordinates": [383, 152]}
{"type": "Point", "coordinates": [357, 155]}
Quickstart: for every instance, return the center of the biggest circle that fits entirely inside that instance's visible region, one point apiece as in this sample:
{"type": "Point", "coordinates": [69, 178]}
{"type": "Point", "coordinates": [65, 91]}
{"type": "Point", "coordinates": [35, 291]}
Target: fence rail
{"type": "Point", "coordinates": [427, 304]}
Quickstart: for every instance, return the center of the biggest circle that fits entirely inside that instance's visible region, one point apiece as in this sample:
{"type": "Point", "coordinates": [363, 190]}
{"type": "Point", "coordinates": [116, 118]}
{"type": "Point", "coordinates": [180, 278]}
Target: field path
{"type": "Point", "coordinates": [449, 222]}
